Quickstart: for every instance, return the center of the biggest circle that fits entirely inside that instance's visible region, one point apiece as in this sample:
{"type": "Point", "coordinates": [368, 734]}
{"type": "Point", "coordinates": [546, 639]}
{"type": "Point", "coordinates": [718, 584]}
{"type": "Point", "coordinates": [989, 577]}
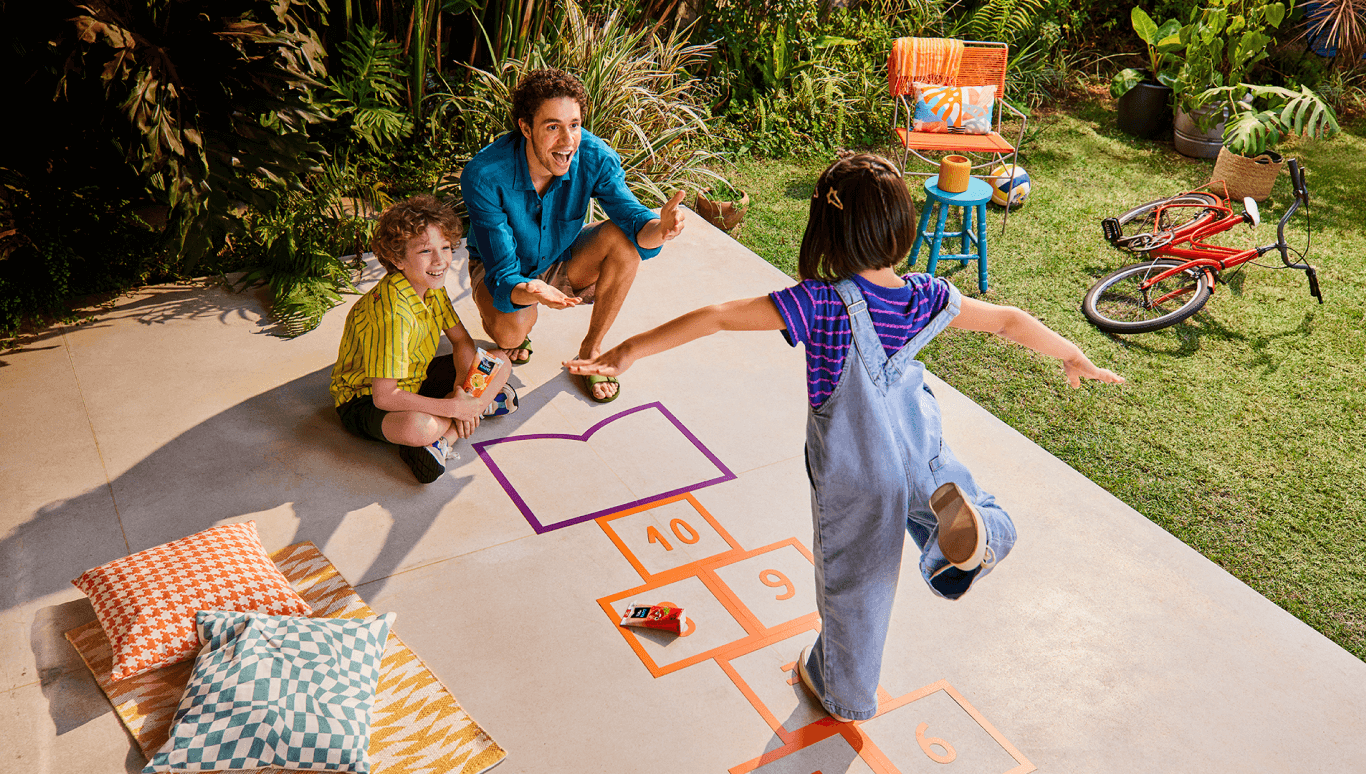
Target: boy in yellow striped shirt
{"type": "Point", "coordinates": [388, 385]}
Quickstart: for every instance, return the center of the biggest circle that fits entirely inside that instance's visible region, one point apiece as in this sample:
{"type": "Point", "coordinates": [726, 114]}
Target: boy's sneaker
{"type": "Point", "coordinates": [427, 462]}
{"type": "Point", "coordinates": [503, 404]}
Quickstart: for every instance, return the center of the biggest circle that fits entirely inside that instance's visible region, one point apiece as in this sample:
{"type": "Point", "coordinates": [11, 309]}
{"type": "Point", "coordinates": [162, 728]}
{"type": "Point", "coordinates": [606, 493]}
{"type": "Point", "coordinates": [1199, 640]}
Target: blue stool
{"type": "Point", "coordinates": [973, 199]}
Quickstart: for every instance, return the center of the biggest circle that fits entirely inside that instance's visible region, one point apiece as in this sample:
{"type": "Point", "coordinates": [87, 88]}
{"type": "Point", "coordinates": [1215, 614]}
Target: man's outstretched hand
{"type": "Point", "coordinates": [671, 218]}
{"type": "Point", "coordinates": [539, 292]}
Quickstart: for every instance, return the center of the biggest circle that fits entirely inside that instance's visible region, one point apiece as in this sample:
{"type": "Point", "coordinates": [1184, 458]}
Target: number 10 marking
{"type": "Point", "coordinates": [679, 527]}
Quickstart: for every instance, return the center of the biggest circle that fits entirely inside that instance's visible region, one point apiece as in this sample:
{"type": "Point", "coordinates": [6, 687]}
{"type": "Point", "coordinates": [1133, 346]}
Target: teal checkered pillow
{"type": "Point", "coordinates": [269, 690]}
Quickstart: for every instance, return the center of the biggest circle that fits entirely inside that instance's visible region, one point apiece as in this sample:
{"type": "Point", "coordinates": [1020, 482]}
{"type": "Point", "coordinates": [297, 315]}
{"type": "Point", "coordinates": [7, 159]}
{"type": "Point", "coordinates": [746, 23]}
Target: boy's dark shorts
{"type": "Point", "coordinates": [363, 418]}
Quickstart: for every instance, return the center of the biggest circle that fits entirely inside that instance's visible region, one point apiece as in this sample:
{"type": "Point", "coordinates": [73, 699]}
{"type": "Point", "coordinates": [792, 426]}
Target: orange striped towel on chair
{"type": "Point", "coordinates": [932, 60]}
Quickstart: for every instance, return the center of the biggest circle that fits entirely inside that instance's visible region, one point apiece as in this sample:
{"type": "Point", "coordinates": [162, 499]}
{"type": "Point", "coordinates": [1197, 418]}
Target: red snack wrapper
{"type": "Point", "coordinates": [665, 616]}
{"type": "Point", "coordinates": [481, 372]}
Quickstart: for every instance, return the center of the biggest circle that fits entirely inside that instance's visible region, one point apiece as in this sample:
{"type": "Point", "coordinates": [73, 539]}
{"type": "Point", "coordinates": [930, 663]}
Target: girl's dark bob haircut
{"type": "Point", "coordinates": [862, 218]}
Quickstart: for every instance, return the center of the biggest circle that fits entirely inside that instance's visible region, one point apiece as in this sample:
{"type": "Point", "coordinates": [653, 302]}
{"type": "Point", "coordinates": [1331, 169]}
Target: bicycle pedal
{"type": "Point", "coordinates": [1111, 228]}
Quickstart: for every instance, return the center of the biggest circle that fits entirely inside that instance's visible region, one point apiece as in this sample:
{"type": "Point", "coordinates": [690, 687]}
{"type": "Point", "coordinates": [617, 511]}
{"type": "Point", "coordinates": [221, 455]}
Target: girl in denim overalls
{"type": "Point", "coordinates": [875, 457]}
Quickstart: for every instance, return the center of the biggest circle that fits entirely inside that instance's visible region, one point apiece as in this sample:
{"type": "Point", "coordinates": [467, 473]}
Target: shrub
{"type": "Point", "coordinates": [643, 100]}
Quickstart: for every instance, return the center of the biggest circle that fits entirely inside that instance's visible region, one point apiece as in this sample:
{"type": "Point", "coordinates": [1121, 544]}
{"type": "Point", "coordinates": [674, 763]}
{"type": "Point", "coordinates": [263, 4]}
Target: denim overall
{"type": "Point", "coordinates": [874, 455]}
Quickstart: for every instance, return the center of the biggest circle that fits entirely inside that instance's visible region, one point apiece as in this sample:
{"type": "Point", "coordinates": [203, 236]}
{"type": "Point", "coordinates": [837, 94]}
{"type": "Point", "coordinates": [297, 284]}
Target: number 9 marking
{"type": "Point", "coordinates": [928, 742]}
{"type": "Point", "coordinates": [773, 579]}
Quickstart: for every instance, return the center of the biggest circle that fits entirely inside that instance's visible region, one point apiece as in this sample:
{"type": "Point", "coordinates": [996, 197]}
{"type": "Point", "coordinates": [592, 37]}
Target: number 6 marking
{"type": "Point", "coordinates": [773, 579]}
{"type": "Point", "coordinates": [927, 742]}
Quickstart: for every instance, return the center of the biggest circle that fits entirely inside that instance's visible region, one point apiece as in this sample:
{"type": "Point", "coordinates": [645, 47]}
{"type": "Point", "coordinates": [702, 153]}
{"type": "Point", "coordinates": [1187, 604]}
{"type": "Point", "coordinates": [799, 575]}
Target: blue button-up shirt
{"type": "Point", "coordinates": [519, 233]}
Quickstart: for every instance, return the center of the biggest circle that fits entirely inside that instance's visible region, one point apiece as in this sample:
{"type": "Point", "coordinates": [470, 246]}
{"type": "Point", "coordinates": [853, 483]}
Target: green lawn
{"type": "Point", "coordinates": [1240, 430]}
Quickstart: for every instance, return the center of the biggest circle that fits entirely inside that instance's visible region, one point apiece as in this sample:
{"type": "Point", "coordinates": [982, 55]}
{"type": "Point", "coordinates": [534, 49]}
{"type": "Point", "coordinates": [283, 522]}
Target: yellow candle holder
{"type": "Point", "coordinates": [953, 174]}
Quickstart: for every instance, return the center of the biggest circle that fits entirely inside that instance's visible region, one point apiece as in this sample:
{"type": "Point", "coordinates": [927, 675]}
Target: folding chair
{"type": "Point", "coordinates": [939, 61]}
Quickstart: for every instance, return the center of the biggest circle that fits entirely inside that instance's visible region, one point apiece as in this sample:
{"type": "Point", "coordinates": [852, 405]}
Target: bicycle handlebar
{"type": "Point", "coordinates": [1301, 198]}
{"type": "Point", "coordinates": [1297, 180]}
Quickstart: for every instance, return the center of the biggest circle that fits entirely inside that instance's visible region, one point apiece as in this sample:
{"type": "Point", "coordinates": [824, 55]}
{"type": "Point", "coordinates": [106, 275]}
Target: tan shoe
{"type": "Point", "coordinates": [806, 680]}
{"type": "Point", "coordinates": [962, 535]}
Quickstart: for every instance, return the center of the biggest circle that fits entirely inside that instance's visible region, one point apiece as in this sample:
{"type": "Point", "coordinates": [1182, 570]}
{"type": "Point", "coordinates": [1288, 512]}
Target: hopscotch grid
{"type": "Point", "coordinates": [757, 635]}
{"type": "Point", "coordinates": [605, 523]}
{"type": "Point", "coordinates": [481, 448]}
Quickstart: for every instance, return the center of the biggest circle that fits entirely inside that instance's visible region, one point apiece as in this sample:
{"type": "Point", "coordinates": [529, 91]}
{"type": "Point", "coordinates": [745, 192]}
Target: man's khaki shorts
{"type": "Point", "coordinates": [556, 275]}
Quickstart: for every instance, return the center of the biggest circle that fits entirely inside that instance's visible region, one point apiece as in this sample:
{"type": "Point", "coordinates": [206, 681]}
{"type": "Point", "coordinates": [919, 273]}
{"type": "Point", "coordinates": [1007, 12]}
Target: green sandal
{"type": "Point", "coordinates": [593, 379]}
{"type": "Point", "coordinates": [526, 345]}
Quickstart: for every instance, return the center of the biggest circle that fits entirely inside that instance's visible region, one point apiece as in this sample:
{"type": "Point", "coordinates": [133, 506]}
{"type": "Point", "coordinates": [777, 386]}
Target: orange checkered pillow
{"type": "Point", "coordinates": [147, 602]}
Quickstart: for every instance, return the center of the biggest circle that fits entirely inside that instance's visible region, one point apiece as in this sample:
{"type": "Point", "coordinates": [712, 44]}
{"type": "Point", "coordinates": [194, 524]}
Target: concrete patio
{"type": "Point", "coordinates": [1102, 645]}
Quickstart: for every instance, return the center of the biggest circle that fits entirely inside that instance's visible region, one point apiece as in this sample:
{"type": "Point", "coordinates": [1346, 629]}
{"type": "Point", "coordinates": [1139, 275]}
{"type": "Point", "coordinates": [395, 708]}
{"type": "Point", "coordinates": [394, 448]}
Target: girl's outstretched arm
{"type": "Point", "coordinates": [749, 314]}
{"type": "Point", "coordinates": [1022, 328]}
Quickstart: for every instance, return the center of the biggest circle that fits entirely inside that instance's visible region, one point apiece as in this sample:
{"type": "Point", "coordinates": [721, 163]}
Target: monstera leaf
{"type": "Point", "coordinates": [1250, 131]}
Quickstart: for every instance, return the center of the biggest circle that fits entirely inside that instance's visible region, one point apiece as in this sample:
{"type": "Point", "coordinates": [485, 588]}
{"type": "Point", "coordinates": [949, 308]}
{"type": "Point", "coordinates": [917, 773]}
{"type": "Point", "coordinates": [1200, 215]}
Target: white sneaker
{"type": "Point", "coordinates": [444, 448]}
{"type": "Point", "coordinates": [504, 403]}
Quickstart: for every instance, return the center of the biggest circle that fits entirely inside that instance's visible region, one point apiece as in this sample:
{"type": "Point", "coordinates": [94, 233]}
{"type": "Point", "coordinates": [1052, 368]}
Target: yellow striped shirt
{"type": "Point", "coordinates": [390, 334]}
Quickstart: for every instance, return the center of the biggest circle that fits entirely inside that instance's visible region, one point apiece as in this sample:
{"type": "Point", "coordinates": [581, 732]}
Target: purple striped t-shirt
{"type": "Point", "coordinates": [815, 316]}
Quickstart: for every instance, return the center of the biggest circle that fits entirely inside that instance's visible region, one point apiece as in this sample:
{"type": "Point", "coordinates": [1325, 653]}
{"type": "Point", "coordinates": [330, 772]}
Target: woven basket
{"type": "Point", "coordinates": [1247, 177]}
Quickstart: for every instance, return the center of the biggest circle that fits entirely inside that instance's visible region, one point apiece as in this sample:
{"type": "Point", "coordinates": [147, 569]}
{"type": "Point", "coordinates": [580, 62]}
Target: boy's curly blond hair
{"type": "Point", "coordinates": [407, 219]}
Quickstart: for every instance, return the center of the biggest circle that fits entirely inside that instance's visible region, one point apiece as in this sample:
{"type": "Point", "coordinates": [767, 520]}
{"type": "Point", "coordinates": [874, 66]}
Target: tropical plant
{"type": "Point", "coordinates": [1163, 42]}
{"type": "Point", "coordinates": [761, 45]}
{"type": "Point", "coordinates": [1004, 20]}
{"type": "Point", "coordinates": [367, 97]}
{"type": "Point", "coordinates": [203, 99]}
{"type": "Point", "coordinates": [1222, 42]}
{"type": "Point", "coordinates": [642, 99]}
{"type": "Point", "coordinates": [1256, 125]}
{"type": "Point", "coordinates": [59, 239]}
{"type": "Point", "coordinates": [296, 247]}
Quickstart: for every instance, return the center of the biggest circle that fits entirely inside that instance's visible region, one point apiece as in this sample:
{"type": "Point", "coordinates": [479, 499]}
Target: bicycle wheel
{"type": "Point", "coordinates": [1118, 303]}
{"type": "Point", "coordinates": [1194, 208]}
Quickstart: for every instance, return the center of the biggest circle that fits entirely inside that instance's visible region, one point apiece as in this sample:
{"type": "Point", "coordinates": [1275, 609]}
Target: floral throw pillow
{"type": "Point", "coordinates": [275, 691]}
{"type": "Point", "coordinates": [146, 602]}
{"type": "Point", "coordinates": [956, 109]}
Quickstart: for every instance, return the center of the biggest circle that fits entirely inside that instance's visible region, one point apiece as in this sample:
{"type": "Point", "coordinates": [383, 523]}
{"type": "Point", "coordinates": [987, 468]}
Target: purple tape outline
{"type": "Point", "coordinates": [541, 528]}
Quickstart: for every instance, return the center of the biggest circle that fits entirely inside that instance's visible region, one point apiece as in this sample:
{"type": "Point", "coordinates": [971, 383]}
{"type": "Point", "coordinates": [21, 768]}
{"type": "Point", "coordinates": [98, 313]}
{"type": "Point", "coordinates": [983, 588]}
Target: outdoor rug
{"type": "Point", "coordinates": [417, 727]}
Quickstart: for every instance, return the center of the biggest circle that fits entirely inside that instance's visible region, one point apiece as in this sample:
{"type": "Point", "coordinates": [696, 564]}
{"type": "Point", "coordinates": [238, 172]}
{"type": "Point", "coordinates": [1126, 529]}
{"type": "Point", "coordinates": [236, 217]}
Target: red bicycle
{"type": "Point", "coordinates": [1181, 267]}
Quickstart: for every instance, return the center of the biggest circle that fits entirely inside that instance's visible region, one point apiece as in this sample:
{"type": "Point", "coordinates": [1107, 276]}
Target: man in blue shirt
{"type": "Point", "coordinates": [527, 194]}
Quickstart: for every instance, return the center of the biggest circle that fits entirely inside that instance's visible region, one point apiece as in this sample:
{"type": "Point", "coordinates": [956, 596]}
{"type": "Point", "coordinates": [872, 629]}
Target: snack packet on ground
{"type": "Point", "coordinates": [481, 372]}
{"type": "Point", "coordinates": [665, 616]}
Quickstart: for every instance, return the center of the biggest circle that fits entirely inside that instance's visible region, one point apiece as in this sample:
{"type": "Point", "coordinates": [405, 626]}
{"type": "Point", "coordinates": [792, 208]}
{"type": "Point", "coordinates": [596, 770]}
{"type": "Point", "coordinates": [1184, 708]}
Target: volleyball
{"type": "Point", "coordinates": [1009, 183]}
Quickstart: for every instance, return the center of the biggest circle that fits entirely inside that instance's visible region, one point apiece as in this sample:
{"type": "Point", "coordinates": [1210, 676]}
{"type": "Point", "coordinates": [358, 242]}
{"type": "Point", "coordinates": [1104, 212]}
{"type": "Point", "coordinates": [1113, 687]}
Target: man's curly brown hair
{"type": "Point", "coordinates": [538, 86]}
{"type": "Point", "coordinates": [407, 219]}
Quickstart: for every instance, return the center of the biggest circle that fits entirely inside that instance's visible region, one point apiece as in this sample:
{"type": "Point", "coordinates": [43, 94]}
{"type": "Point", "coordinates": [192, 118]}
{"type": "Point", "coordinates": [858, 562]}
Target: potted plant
{"type": "Point", "coordinates": [726, 210]}
{"type": "Point", "coordinates": [1144, 108]}
{"type": "Point", "coordinates": [1258, 117]}
{"type": "Point", "coordinates": [1222, 41]}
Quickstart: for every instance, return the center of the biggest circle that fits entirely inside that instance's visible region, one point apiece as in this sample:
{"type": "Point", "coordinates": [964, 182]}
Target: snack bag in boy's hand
{"type": "Point", "coordinates": [481, 372]}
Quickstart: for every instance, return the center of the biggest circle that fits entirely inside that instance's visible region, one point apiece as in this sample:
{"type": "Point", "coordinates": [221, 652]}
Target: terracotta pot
{"type": "Point", "coordinates": [724, 215]}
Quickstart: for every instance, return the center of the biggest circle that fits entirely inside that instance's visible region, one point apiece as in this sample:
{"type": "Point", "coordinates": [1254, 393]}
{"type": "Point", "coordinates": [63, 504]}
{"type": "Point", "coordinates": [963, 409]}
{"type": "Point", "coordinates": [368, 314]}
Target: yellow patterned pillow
{"type": "Point", "coordinates": [956, 109]}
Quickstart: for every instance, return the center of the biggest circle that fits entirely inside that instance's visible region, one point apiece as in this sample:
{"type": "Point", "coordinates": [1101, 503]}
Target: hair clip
{"type": "Point", "coordinates": [832, 197]}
